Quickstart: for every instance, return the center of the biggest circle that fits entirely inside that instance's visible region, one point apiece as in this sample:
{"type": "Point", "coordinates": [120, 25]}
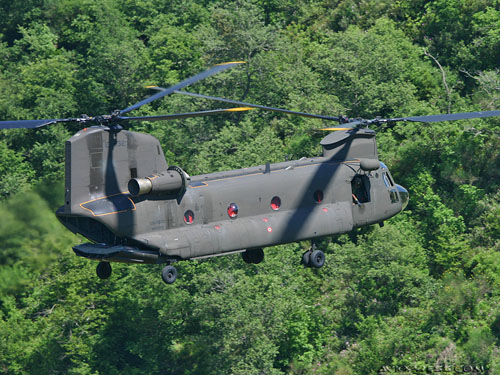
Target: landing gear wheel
{"type": "Point", "coordinates": [256, 255]}
{"type": "Point", "coordinates": [246, 257]}
{"type": "Point", "coordinates": [317, 259]}
{"type": "Point", "coordinates": [306, 258]}
{"type": "Point", "coordinates": [169, 274]}
{"type": "Point", "coordinates": [103, 270]}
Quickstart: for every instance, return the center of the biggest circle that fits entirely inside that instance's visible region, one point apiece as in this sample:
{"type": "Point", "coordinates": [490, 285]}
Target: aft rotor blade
{"type": "Point", "coordinates": [29, 124]}
{"type": "Point", "coordinates": [303, 114]}
{"type": "Point", "coordinates": [216, 69]}
{"type": "Point", "coordinates": [447, 117]}
{"type": "Point", "coordinates": [177, 116]}
{"type": "Point", "coordinates": [334, 129]}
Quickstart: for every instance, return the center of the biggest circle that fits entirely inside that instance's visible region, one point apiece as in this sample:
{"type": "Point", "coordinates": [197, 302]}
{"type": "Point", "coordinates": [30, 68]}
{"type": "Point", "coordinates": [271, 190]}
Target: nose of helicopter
{"type": "Point", "coordinates": [405, 197]}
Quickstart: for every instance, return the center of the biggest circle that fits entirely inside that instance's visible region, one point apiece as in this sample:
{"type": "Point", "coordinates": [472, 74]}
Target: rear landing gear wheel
{"type": "Point", "coordinates": [306, 257]}
{"type": "Point", "coordinates": [246, 257]}
{"type": "Point", "coordinates": [169, 274]}
{"type": "Point", "coordinates": [254, 256]}
{"type": "Point", "coordinates": [317, 259]}
{"type": "Point", "coordinates": [103, 270]}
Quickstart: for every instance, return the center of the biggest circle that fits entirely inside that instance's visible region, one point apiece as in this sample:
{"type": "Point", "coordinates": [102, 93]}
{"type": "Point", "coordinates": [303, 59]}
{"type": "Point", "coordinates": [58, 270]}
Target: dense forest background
{"type": "Point", "coordinates": [423, 291]}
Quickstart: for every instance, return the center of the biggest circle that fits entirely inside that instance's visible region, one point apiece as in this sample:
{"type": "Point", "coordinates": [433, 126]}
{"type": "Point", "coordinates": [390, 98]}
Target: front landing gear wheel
{"type": "Point", "coordinates": [169, 274]}
{"type": "Point", "coordinates": [103, 270]}
{"type": "Point", "coordinates": [317, 259]}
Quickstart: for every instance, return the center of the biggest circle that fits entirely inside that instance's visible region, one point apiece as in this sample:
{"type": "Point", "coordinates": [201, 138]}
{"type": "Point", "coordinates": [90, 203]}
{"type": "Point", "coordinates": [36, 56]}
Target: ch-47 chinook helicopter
{"type": "Point", "coordinates": [122, 196]}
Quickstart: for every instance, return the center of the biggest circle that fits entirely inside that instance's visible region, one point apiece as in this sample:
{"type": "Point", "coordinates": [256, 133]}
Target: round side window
{"type": "Point", "coordinates": [189, 217]}
{"type": "Point", "coordinates": [232, 210]}
{"type": "Point", "coordinates": [276, 203]}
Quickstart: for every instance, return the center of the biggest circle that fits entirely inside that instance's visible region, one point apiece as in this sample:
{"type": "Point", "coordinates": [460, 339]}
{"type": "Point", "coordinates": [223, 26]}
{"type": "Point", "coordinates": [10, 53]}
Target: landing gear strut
{"type": "Point", "coordinates": [103, 270]}
{"type": "Point", "coordinates": [254, 256]}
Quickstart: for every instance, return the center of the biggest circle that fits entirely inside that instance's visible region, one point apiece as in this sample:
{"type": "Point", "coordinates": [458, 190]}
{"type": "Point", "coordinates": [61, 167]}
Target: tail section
{"type": "Point", "coordinates": [99, 164]}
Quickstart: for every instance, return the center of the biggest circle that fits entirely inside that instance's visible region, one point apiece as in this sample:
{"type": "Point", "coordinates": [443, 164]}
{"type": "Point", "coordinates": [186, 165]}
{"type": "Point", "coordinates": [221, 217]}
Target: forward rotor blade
{"type": "Point", "coordinates": [303, 114]}
{"type": "Point", "coordinates": [29, 124]}
{"type": "Point", "coordinates": [216, 69]}
{"type": "Point", "coordinates": [447, 117]}
{"type": "Point", "coordinates": [346, 125]}
{"type": "Point", "coordinates": [176, 116]}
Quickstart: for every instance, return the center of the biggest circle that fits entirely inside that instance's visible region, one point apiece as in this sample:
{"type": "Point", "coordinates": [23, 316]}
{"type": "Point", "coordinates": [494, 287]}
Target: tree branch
{"type": "Point", "coordinates": [443, 74]}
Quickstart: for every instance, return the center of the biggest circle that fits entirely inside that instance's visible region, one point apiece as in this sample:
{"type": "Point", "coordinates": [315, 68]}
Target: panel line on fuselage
{"type": "Point", "coordinates": [284, 169]}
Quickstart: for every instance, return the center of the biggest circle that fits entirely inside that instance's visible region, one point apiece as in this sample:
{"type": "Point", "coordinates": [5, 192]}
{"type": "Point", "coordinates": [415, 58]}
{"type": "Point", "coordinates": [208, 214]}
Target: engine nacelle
{"type": "Point", "coordinates": [173, 181]}
{"type": "Point", "coordinates": [369, 165]}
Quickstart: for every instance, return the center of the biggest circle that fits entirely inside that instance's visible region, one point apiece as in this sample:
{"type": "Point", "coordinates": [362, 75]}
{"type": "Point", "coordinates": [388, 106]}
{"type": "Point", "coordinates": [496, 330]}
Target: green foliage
{"type": "Point", "coordinates": [387, 269]}
{"type": "Point", "coordinates": [464, 32]}
{"type": "Point", "coordinates": [14, 171]}
{"type": "Point", "coordinates": [174, 54]}
{"type": "Point", "coordinates": [377, 72]}
{"type": "Point", "coordinates": [31, 238]}
{"type": "Point", "coordinates": [441, 228]}
{"type": "Point", "coordinates": [236, 31]}
{"type": "Point", "coordinates": [238, 147]}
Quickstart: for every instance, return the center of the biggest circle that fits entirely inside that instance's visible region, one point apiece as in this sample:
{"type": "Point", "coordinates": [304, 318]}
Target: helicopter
{"type": "Point", "coordinates": [133, 207]}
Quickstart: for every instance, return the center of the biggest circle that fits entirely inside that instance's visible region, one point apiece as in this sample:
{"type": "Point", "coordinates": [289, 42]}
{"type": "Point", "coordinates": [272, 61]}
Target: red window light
{"type": "Point", "coordinates": [189, 217]}
{"type": "Point", "coordinates": [232, 210]}
{"type": "Point", "coordinates": [276, 203]}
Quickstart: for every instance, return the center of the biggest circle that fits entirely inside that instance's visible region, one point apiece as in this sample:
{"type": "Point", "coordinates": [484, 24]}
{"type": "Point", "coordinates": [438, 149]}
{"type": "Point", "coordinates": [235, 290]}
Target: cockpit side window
{"type": "Point", "coordinates": [387, 179]}
{"type": "Point", "coordinates": [394, 196]}
{"type": "Point", "coordinates": [389, 184]}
